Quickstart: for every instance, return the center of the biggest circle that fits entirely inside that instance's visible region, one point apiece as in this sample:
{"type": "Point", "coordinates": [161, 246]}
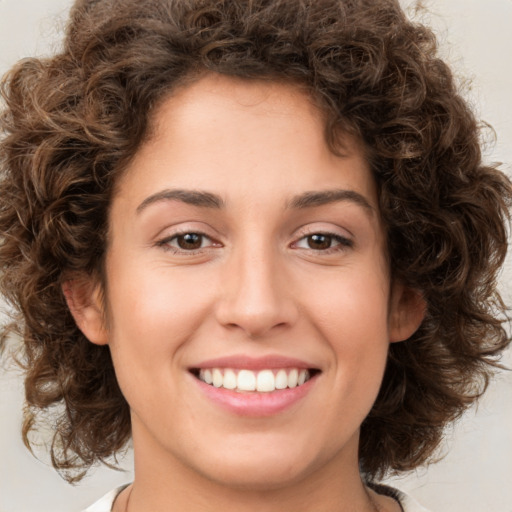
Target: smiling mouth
{"type": "Point", "coordinates": [262, 381]}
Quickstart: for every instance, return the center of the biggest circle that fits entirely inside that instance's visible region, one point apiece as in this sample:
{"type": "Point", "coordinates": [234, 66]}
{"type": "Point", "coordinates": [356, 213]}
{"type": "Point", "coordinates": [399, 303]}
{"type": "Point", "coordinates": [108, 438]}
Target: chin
{"type": "Point", "coordinates": [261, 477]}
{"type": "Point", "coordinates": [260, 469]}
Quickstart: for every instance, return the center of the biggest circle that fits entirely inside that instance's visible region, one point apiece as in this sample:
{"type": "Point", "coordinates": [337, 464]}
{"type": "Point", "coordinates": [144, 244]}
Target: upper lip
{"type": "Point", "coordinates": [244, 362]}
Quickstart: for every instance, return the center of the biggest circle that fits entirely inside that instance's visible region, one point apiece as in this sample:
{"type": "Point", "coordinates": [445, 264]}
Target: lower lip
{"type": "Point", "coordinates": [256, 403]}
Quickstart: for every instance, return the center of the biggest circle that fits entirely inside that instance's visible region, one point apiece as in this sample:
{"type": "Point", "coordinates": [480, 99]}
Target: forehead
{"type": "Point", "coordinates": [266, 97]}
{"type": "Point", "coordinates": [237, 136]}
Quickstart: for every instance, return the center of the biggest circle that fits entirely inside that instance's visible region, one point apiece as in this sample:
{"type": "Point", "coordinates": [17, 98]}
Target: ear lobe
{"type": "Point", "coordinates": [84, 301]}
{"type": "Point", "coordinates": [407, 311]}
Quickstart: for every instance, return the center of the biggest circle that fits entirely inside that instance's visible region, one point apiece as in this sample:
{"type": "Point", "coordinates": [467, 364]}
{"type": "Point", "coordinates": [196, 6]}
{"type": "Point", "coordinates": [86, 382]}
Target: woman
{"type": "Point", "coordinates": [257, 239]}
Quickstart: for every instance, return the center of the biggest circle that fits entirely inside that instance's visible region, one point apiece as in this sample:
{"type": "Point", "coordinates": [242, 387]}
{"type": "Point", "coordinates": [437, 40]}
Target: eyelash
{"type": "Point", "coordinates": [164, 243]}
{"type": "Point", "coordinates": [343, 243]}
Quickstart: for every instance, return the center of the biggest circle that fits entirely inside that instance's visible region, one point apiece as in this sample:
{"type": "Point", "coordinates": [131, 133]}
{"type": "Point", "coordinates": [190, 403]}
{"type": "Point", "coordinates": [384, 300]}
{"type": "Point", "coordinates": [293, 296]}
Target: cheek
{"type": "Point", "coordinates": [156, 302]}
{"type": "Point", "coordinates": [351, 305]}
{"type": "Point", "coordinates": [351, 313]}
{"type": "Point", "coordinates": [154, 313]}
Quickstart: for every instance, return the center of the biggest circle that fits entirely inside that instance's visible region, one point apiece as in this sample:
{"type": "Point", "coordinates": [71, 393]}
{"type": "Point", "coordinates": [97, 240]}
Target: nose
{"type": "Point", "coordinates": [256, 296]}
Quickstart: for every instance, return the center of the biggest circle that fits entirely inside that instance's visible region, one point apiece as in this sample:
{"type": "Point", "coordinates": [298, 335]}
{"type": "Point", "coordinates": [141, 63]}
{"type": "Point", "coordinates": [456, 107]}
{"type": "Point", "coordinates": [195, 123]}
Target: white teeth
{"type": "Point", "coordinates": [217, 378]}
{"type": "Point", "coordinates": [263, 381]}
{"type": "Point", "coordinates": [207, 376]}
{"type": "Point", "coordinates": [246, 380]}
{"type": "Point", "coordinates": [230, 380]}
{"type": "Point", "coordinates": [293, 378]}
{"type": "Point", "coordinates": [281, 379]}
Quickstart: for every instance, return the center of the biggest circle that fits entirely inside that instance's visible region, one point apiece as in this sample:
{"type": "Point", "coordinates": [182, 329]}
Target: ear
{"type": "Point", "coordinates": [84, 299]}
{"type": "Point", "coordinates": [407, 311]}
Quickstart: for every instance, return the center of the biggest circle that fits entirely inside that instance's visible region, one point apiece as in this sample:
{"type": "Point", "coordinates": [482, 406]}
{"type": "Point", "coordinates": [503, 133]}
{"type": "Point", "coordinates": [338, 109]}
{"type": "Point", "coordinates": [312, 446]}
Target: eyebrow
{"type": "Point", "coordinates": [193, 197]}
{"type": "Point", "coordinates": [323, 197]}
{"type": "Point", "coordinates": [308, 199]}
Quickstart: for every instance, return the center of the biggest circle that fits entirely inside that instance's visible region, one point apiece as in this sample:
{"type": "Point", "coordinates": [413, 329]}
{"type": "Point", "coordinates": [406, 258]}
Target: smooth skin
{"type": "Point", "coordinates": [217, 248]}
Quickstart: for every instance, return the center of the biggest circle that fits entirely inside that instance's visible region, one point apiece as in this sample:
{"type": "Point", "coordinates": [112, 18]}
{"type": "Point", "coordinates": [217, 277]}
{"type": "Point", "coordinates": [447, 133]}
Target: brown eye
{"type": "Point", "coordinates": [189, 241]}
{"type": "Point", "coordinates": [183, 243]}
{"type": "Point", "coordinates": [319, 241]}
{"type": "Point", "coordinates": [324, 242]}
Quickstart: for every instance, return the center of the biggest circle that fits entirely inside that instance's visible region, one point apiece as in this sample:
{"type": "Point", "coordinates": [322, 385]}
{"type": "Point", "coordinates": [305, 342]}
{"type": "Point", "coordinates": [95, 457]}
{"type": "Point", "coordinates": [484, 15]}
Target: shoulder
{"type": "Point", "coordinates": [105, 504]}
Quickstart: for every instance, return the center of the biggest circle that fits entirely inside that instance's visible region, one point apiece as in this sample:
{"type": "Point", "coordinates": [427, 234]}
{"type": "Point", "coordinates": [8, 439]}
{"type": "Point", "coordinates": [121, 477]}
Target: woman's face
{"type": "Point", "coordinates": [242, 250]}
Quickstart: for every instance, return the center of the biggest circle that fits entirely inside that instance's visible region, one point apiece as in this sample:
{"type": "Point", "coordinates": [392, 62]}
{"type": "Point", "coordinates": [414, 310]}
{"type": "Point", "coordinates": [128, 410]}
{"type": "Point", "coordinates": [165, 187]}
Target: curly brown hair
{"type": "Point", "coordinates": [72, 122]}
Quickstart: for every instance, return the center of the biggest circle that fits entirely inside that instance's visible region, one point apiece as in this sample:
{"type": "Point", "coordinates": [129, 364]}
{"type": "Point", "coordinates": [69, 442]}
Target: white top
{"type": "Point", "coordinates": [407, 503]}
{"type": "Point", "coordinates": [105, 503]}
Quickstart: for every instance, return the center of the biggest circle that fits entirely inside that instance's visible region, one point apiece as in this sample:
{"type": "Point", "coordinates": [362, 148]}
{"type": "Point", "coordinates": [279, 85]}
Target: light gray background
{"type": "Point", "coordinates": [476, 475]}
